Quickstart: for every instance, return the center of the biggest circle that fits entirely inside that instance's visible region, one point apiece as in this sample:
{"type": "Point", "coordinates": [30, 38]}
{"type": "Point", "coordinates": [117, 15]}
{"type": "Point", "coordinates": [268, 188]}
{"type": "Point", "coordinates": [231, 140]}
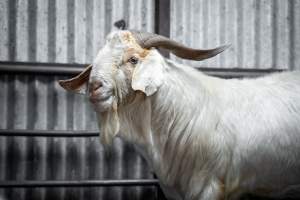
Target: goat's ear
{"type": "Point", "coordinates": [148, 75]}
{"type": "Point", "coordinates": [79, 83]}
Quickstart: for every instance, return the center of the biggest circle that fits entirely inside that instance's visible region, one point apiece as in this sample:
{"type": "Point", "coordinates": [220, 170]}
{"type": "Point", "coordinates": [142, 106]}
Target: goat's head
{"type": "Point", "coordinates": [126, 64]}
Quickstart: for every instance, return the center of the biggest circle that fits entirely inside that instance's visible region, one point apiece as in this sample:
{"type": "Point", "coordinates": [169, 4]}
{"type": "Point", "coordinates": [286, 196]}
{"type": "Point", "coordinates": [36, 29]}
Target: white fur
{"type": "Point", "coordinates": [198, 131]}
{"type": "Point", "coordinates": [210, 138]}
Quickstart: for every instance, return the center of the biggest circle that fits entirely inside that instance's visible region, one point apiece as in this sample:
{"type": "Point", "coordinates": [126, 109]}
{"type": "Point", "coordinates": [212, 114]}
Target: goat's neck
{"type": "Point", "coordinates": [183, 111]}
{"type": "Point", "coordinates": [176, 123]}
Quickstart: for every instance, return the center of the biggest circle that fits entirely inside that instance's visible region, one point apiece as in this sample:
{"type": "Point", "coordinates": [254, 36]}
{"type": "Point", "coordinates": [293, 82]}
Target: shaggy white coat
{"type": "Point", "coordinates": [205, 137]}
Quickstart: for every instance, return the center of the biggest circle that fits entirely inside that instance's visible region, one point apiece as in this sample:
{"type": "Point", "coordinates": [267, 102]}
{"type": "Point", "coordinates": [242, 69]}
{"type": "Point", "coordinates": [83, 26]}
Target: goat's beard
{"type": "Point", "coordinates": [109, 124]}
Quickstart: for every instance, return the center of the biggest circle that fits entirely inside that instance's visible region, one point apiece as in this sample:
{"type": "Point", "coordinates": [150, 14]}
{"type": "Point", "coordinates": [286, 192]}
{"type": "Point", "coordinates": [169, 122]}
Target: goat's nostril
{"type": "Point", "coordinates": [95, 85]}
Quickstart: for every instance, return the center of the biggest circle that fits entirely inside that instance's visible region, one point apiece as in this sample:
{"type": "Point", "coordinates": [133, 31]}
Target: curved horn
{"type": "Point", "coordinates": [148, 40]}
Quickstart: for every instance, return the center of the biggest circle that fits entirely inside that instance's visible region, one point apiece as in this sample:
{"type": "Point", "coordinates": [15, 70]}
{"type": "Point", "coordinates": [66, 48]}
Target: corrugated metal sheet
{"type": "Point", "coordinates": [263, 33]}
{"type": "Point", "coordinates": [61, 31]}
{"type": "Point", "coordinates": [65, 31]}
{"type": "Point", "coordinates": [37, 102]}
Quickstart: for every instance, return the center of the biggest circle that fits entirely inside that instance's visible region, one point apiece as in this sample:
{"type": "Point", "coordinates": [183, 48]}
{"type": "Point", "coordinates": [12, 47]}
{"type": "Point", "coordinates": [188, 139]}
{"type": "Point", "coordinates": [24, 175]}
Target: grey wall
{"type": "Point", "coordinates": [61, 31]}
{"type": "Point", "coordinates": [65, 30]}
{"type": "Point", "coordinates": [263, 34]}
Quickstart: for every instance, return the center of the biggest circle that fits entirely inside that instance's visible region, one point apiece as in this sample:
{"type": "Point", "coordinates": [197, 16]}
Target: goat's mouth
{"type": "Point", "coordinates": [102, 101]}
{"type": "Point", "coordinates": [96, 99]}
{"type": "Point", "coordinates": [102, 105]}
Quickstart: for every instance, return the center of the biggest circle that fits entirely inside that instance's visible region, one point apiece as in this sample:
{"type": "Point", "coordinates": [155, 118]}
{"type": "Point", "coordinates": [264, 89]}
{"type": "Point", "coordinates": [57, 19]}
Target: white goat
{"type": "Point", "coordinates": [204, 137]}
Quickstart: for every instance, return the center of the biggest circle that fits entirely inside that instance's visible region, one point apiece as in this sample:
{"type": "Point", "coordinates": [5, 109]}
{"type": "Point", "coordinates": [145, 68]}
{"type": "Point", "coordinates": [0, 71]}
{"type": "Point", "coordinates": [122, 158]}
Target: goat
{"type": "Point", "coordinates": [204, 137]}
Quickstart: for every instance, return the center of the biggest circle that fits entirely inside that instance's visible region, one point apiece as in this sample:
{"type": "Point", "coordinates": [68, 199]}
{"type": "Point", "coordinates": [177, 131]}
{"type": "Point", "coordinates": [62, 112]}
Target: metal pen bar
{"type": "Point", "coordinates": [72, 69]}
{"type": "Point", "coordinates": [79, 183]}
{"type": "Point", "coordinates": [47, 133]}
{"type": "Point", "coordinates": [237, 73]}
{"type": "Point", "coordinates": [41, 68]}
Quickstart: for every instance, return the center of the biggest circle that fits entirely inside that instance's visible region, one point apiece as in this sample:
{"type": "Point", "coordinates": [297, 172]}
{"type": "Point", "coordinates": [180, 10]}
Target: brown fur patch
{"type": "Point", "coordinates": [127, 37]}
{"type": "Point", "coordinates": [141, 54]}
{"type": "Point", "coordinates": [144, 53]}
{"type": "Point", "coordinates": [134, 49]}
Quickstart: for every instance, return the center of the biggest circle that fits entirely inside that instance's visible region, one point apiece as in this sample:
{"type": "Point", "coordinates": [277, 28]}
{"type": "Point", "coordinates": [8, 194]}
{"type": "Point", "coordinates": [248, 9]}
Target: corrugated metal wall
{"type": "Point", "coordinates": [65, 31]}
{"type": "Point", "coordinates": [263, 33]}
{"type": "Point", "coordinates": [61, 31]}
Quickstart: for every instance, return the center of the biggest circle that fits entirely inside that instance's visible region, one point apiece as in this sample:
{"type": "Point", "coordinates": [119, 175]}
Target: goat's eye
{"type": "Point", "coordinates": [133, 60]}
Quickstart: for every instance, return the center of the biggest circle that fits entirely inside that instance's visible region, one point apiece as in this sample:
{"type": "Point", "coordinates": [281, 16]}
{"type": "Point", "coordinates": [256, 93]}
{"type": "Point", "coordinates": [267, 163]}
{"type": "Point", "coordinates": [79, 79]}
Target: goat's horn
{"type": "Point", "coordinates": [148, 40]}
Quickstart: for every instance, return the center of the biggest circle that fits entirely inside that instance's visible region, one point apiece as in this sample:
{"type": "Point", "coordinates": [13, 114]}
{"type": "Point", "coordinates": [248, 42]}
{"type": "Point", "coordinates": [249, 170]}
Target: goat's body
{"type": "Point", "coordinates": [209, 138]}
{"type": "Point", "coordinates": [204, 137]}
{"type": "Point", "coordinates": [263, 115]}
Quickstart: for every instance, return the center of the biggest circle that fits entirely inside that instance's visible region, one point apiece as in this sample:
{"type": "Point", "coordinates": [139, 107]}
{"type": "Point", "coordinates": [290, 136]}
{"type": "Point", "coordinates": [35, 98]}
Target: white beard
{"type": "Point", "coordinates": [109, 125]}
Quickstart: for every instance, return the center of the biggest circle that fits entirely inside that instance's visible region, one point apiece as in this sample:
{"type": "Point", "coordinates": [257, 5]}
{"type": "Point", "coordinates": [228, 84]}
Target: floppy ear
{"type": "Point", "coordinates": [148, 75]}
{"type": "Point", "coordinates": [78, 83]}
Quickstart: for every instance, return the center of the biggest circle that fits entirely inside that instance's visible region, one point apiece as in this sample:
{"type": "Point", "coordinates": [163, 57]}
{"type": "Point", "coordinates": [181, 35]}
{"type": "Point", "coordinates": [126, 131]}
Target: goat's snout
{"type": "Point", "coordinates": [94, 85]}
{"type": "Point", "coordinates": [100, 94]}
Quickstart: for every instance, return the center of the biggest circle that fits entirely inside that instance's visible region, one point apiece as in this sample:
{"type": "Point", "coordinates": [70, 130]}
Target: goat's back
{"type": "Point", "coordinates": [263, 114]}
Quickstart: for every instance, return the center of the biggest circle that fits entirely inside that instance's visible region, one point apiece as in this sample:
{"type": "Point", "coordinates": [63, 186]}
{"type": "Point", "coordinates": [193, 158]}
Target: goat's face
{"type": "Point", "coordinates": [126, 64]}
{"type": "Point", "coordinates": [115, 70]}
{"type": "Point", "coordinates": [120, 68]}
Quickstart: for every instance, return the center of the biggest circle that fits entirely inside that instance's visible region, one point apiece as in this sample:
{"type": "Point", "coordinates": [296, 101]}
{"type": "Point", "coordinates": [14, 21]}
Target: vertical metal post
{"type": "Point", "coordinates": [162, 20]}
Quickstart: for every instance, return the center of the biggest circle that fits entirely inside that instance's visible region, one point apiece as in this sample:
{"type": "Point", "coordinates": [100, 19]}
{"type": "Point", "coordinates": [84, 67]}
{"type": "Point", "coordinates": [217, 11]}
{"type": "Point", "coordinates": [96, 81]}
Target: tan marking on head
{"type": "Point", "coordinates": [141, 54]}
{"type": "Point", "coordinates": [128, 39]}
{"type": "Point", "coordinates": [127, 36]}
{"type": "Point", "coordinates": [144, 53]}
{"type": "Point", "coordinates": [134, 47]}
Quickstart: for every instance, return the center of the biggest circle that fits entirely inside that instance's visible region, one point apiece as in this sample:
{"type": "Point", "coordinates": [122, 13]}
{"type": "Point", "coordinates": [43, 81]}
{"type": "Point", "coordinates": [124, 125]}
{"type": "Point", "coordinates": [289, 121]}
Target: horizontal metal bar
{"type": "Point", "coordinates": [237, 73]}
{"type": "Point", "coordinates": [48, 133]}
{"type": "Point", "coordinates": [72, 69]}
{"type": "Point", "coordinates": [79, 183]}
{"type": "Point", "coordinates": [41, 68]}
